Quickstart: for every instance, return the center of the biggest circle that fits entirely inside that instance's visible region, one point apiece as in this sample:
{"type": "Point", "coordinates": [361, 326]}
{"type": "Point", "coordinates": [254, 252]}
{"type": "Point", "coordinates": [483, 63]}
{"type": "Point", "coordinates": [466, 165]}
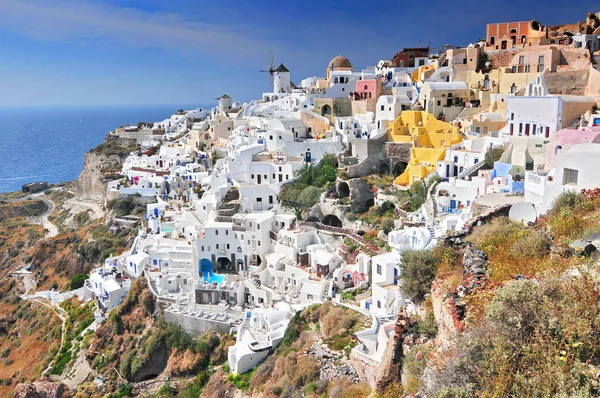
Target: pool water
{"type": "Point", "coordinates": [211, 277]}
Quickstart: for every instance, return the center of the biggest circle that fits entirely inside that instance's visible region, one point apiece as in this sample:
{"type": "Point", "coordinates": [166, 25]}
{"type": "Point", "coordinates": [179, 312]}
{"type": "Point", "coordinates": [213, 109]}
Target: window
{"type": "Point", "coordinates": [271, 137]}
{"type": "Point", "coordinates": [512, 116]}
{"type": "Point", "coordinates": [259, 243]}
{"type": "Point", "coordinates": [217, 232]}
{"type": "Point", "coordinates": [366, 87]}
{"type": "Point", "coordinates": [521, 60]}
{"type": "Point", "coordinates": [421, 62]}
{"type": "Point", "coordinates": [492, 40]}
{"type": "Point", "coordinates": [378, 269]}
{"type": "Point", "coordinates": [252, 176]}
{"type": "Point", "coordinates": [273, 175]}
{"type": "Point", "coordinates": [439, 103]}
{"type": "Point", "coordinates": [228, 246]}
{"type": "Point", "coordinates": [202, 248]}
{"type": "Point", "coordinates": [217, 246]}
{"type": "Point", "coordinates": [527, 68]}
{"type": "Point", "coordinates": [570, 177]}
{"type": "Point", "coordinates": [271, 197]}
{"type": "Point", "coordinates": [382, 107]}
{"type": "Point", "coordinates": [258, 225]}
{"type": "Point", "coordinates": [378, 304]}
{"type": "Point", "coordinates": [226, 232]}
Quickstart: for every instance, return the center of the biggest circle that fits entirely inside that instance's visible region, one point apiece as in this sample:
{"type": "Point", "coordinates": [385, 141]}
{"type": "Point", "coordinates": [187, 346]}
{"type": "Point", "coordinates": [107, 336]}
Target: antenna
{"type": "Point", "coordinates": [270, 69]}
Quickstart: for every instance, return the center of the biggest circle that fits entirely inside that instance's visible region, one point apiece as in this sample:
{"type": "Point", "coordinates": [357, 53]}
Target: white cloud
{"type": "Point", "coordinates": [81, 19]}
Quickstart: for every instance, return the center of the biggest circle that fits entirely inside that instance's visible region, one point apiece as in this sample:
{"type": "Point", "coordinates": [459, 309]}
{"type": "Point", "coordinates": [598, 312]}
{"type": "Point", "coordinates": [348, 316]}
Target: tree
{"type": "Point", "coordinates": [325, 174]}
{"type": "Point", "coordinates": [418, 268]}
{"type": "Point", "coordinates": [309, 196]}
{"type": "Point", "coordinates": [493, 155]}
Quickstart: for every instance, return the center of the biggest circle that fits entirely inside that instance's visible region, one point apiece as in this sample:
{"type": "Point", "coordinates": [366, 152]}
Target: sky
{"type": "Point", "coordinates": [118, 52]}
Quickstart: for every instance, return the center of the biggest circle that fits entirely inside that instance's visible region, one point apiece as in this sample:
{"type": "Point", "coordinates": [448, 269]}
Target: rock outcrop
{"type": "Point", "coordinates": [39, 389]}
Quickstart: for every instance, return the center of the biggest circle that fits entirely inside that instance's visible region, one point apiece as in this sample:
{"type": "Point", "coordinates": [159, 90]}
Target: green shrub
{"type": "Point", "coordinates": [417, 268]}
{"type": "Point", "coordinates": [77, 281]}
{"type": "Point", "coordinates": [493, 155]}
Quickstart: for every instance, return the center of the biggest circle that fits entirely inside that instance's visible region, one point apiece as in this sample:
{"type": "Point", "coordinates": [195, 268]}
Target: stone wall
{"type": "Point", "coordinates": [501, 59]}
{"type": "Point", "coordinates": [398, 151]}
{"type": "Point", "coordinates": [568, 82]}
{"type": "Point", "coordinates": [196, 326]}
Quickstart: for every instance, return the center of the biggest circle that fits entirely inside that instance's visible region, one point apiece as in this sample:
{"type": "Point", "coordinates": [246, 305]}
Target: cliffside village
{"type": "Point", "coordinates": [222, 252]}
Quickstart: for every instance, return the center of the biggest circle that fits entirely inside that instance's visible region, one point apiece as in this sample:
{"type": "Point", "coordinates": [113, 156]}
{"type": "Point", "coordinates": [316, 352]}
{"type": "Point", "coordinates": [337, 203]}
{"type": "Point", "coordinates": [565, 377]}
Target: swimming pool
{"type": "Point", "coordinates": [211, 277]}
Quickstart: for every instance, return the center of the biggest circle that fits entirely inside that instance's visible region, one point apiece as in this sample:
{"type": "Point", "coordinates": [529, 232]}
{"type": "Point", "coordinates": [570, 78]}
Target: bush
{"type": "Point", "coordinates": [428, 325]}
{"type": "Point", "coordinates": [493, 155]}
{"type": "Point", "coordinates": [77, 281]}
{"type": "Point", "coordinates": [387, 225]}
{"type": "Point", "coordinates": [417, 268]}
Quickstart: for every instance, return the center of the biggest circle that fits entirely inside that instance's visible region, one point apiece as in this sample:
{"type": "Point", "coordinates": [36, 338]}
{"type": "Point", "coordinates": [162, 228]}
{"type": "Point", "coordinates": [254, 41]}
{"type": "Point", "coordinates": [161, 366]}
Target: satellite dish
{"type": "Point", "coordinates": [523, 212]}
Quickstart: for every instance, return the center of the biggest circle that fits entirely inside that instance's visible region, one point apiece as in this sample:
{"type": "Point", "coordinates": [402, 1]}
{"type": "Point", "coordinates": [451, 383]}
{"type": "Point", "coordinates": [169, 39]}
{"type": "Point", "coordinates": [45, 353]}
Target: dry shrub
{"type": "Point", "coordinates": [535, 339]}
{"type": "Point", "coordinates": [371, 234]}
{"type": "Point", "coordinates": [183, 363]}
{"type": "Point", "coordinates": [305, 371]}
{"type": "Point", "coordinates": [337, 320]}
{"type": "Point", "coordinates": [290, 363]}
{"type": "Point", "coordinates": [513, 249]}
{"type": "Point", "coordinates": [263, 373]}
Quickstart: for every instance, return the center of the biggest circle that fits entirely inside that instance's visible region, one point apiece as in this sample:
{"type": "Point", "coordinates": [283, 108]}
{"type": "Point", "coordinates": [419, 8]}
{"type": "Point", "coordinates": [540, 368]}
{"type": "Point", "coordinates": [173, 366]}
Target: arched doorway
{"type": "Point", "coordinates": [332, 221]}
{"type": "Point", "coordinates": [224, 264]}
{"type": "Point", "coordinates": [325, 110]}
{"type": "Point", "coordinates": [343, 190]}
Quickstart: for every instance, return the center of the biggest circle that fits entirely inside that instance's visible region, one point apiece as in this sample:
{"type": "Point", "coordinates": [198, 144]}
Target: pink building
{"type": "Point", "coordinates": [367, 92]}
{"type": "Point", "coordinates": [565, 139]}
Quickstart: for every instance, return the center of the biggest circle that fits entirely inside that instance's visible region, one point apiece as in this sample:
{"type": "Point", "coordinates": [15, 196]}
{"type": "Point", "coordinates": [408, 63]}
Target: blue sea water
{"type": "Point", "coordinates": [48, 144]}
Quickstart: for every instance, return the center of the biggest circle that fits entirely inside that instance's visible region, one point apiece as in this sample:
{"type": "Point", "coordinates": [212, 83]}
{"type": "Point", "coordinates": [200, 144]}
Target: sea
{"type": "Point", "coordinates": [49, 143]}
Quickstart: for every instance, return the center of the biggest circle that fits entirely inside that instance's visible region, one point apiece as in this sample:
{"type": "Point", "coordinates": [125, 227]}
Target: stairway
{"type": "Point", "coordinates": [325, 290]}
{"type": "Point", "coordinates": [269, 300]}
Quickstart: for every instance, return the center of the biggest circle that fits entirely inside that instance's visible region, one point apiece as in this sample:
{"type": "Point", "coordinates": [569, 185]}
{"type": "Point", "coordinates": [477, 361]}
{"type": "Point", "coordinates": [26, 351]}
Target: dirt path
{"type": "Point", "coordinates": [52, 229]}
{"type": "Point", "coordinates": [80, 370]}
{"type": "Point", "coordinates": [63, 317]}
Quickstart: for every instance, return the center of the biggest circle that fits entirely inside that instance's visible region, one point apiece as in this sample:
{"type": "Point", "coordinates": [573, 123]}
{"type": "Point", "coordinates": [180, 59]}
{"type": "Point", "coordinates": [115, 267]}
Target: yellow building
{"type": "Point", "coordinates": [429, 138]}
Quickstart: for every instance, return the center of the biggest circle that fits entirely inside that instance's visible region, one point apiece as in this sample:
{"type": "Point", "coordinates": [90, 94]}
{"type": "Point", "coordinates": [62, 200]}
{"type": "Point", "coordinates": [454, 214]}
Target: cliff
{"type": "Point", "coordinates": [101, 165]}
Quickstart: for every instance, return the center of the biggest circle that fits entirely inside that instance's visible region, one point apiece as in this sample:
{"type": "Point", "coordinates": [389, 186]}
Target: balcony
{"type": "Point", "coordinates": [535, 182]}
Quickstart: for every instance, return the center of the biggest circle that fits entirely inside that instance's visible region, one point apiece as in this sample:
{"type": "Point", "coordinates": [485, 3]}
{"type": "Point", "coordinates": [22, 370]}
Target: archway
{"type": "Point", "coordinates": [326, 110]}
{"type": "Point", "coordinates": [332, 221]}
{"type": "Point", "coordinates": [343, 190]}
{"type": "Point", "coordinates": [224, 264]}
{"type": "Point", "coordinates": [384, 168]}
{"type": "Point", "coordinates": [399, 168]}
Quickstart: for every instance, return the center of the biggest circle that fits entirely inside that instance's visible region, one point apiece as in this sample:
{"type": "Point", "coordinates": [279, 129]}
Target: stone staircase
{"type": "Point", "coordinates": [466, 174]}
{"type": "Point", "coordinates": [325, 290]}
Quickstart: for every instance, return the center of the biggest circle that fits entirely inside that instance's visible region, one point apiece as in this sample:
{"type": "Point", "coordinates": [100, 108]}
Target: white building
{"type": "Point", "coordinates": [261, 331]}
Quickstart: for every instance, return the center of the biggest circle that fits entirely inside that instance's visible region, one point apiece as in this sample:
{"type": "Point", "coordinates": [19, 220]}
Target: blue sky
{"type": "Point", "coordinates": [96, 52]}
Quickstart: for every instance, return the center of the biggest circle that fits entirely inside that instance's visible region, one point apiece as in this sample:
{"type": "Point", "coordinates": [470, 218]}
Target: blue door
{"type": "Point", "coordinates": [367, 305]}
{"type": "Point", "coordinates": [307, 157]}
{"type": "Point", "coordinates": [395, 276]}
{"type": "Point", "coordinates": [452, 204]}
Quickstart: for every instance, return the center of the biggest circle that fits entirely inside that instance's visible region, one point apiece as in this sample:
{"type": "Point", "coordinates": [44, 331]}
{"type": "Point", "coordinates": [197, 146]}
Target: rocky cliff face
{"type": "Point", "coordinates": [92, 183]}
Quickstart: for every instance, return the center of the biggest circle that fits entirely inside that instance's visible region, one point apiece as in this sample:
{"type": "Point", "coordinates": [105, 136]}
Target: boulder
{"type": "Point", "coordinates": [582, 248]}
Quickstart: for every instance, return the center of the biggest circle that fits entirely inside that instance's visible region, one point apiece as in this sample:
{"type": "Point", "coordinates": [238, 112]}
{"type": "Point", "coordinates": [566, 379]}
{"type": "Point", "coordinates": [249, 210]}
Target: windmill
{"type": "Point", "coordinates": [270, 60]}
